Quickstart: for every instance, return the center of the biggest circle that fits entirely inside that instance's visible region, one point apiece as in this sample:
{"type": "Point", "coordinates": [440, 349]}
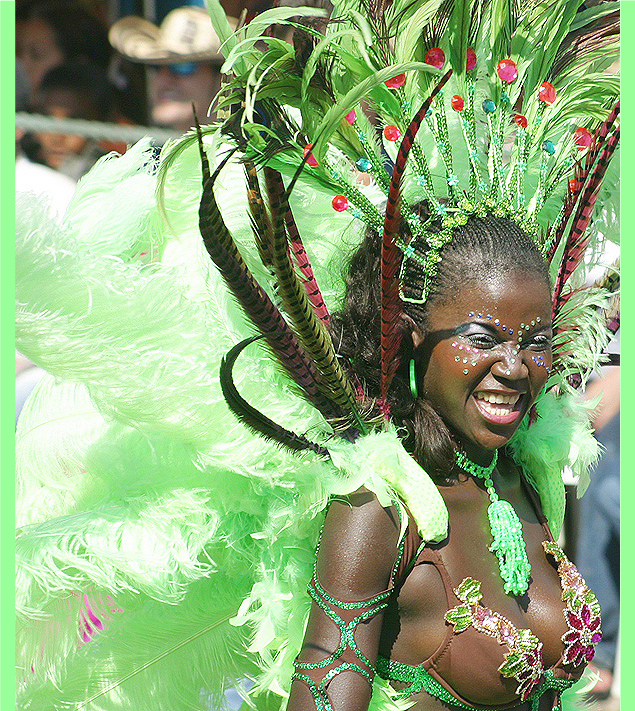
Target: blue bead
{"type": "Point", "coordinates": [548, 147]}
{"type": "Point", "coordinates": [363, 164]}
{"type": "Point", "coordinates": [489, 106]}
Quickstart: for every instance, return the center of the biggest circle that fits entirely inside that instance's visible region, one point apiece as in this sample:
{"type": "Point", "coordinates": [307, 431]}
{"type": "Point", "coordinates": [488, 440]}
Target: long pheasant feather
{"type": "Point", "coordinates": [252, 418]}
{"type": "Point", "coordinates": [577, 240]}
{"type": "Point", "coordinates": [391, 255]}
{"type": "Point", "coordinates": [308, 327]}
{"type": "Point", "coordinates": [252, 297]}
{"type": "Point", "coordinates": [261, 221]}
{"type": "Point", "coordinates": [297, 247]}
{"type": "Point", "coordinates": [581, 174]}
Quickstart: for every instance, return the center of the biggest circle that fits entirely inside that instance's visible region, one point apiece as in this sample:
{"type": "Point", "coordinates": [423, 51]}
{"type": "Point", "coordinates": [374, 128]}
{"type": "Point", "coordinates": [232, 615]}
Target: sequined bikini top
{"type": "Point", "coordinates": [470, 622]}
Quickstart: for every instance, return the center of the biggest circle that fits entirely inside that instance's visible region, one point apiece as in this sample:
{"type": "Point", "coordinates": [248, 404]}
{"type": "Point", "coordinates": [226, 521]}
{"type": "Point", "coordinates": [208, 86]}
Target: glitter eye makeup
{"type": "Point", "coordinates": [487, 342]}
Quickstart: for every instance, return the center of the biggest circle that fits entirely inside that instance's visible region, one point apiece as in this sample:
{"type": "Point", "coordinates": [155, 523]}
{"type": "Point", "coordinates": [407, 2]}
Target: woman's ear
{"type": "Point", "coordinates": [416, 334]}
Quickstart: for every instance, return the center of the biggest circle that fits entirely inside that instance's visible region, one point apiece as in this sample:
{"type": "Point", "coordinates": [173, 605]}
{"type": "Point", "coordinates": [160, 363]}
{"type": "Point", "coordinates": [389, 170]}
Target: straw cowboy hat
{"type": "Point", "coordinates": [185, 35]}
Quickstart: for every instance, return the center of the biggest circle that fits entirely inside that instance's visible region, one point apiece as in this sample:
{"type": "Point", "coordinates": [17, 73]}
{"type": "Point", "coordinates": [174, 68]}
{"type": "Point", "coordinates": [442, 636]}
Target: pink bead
{"type": "Point", "coordinates": [396, 82]}
{"type": "Point", "coordinates": [340, 203]}
{"type": "Point", "coordinates": [470, 59]}
{"type": "Point", "coordinates": [520, 120]}
{"type": "Point", "coordinates": [351, 116]}
{"type": "Point", "coordinates": [454, 344]}
{"type": "Point", "coordinates": [457, 103]}
{"type": "Point", "coordinates": [311, 160]}
{"type": "Point", "coordinates": [547, 92]}
{"type": "Point", "coordinates": [507, 70]}
{"type": "Point", "coordinates": [460, 348]}
{"type": "Point", "coordinates": [435, 57]}
{"type": "Point", "coordinates": [582, 138]}
{"type": "Point", "coordinates": [485, 355]}
{"type": "Point", "coordinates": [392, 133]}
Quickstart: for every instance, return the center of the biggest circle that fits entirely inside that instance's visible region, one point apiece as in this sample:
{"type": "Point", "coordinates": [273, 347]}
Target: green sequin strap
{"type": "Point", "coordinates": [348, 656]}
{"type": "Point", "coordinates": [419, 679]}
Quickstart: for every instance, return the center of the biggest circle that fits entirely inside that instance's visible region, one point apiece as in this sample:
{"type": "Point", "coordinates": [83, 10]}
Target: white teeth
{"type": "Point", "coordinates": [497, 399]}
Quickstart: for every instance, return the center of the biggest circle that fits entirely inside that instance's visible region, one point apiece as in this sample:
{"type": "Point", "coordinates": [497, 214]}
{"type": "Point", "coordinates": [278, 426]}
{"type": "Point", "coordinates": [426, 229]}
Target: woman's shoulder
{"type": "Point", "coordinates": [359, 545]}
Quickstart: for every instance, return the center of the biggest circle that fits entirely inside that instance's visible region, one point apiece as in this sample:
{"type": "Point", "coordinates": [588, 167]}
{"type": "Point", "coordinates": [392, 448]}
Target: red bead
{"type": "Point", "coordinates": [435, 57]}
{"type": "Point", "coordinates": [547, 92]}
{"type": "Point", "coordinates": [582, 138]}
{"type": "Point", "coordinates": [340, 203]}
{"type": "Point", "coordinates": [392, 133]}
{"type": "Point", "coordinates": [470, 59]}
{"type": "Point", "coordinates": [520, 120]}
{"type": "Point", "coordinates": [396, 82]}
{"type": "Point", "coordinates": [310, 160]}
{"type": "Point", "coordinates": [457, 103]}
{"type": "Point", "coordinates": [572, 184]}
{"type": "Point", "coordinates": [507, 70]}
{"type": "Point", "coordinates": [351, 116]}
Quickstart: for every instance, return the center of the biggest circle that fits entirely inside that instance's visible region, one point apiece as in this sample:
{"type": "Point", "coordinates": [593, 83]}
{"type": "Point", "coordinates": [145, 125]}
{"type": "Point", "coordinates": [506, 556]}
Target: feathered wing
{"type": "Point", "coordinates": [126, 459]}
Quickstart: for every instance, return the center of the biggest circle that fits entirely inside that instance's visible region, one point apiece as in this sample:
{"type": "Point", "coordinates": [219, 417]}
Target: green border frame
{"type": "Point", "coordinates": [627, 652]}
{"type": "Point", "coordinates": [7, 488]}
{"type": "Point", "coordinates": [7, 373]}
{"type": "Point", "coordinates": [7, 358]}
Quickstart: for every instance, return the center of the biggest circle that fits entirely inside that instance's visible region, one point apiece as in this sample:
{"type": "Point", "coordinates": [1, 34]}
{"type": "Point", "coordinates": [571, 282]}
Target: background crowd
{"type": "Point", "coordinates": [144, 63]}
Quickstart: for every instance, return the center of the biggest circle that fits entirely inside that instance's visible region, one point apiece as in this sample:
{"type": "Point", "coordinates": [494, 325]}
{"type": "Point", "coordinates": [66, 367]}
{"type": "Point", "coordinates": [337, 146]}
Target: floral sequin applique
{"type": "Point", "coordinates": [524, 661]}
{"type": "Point", "coordinates": [582, 611]}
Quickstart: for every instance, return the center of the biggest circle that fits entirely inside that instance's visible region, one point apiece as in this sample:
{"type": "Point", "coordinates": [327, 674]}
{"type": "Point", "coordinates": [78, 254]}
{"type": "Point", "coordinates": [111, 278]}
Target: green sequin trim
{"type": "Point", "coordinates": [421, 680]}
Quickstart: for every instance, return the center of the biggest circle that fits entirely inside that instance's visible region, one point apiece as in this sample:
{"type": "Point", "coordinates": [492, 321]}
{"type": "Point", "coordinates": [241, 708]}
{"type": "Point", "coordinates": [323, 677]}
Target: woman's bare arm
{"type": "Point", "coordinates": [357, 554]}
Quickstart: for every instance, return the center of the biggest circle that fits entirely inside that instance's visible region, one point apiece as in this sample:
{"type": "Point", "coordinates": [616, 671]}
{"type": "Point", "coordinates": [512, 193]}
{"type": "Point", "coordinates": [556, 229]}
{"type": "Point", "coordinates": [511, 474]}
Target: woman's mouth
{"type": "Point", "coordinates": [499, 408]}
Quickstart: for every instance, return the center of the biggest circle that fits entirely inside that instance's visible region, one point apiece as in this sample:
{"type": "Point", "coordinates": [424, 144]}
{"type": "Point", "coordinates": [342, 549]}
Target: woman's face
{"type": "Point", "coordinates": [487, 356]}
{"type": "Point", "coordinates": [37, 50]}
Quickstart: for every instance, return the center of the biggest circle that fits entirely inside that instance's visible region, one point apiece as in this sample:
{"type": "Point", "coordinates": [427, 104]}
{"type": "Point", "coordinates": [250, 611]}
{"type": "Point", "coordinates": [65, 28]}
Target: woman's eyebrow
{"type": "Point", "coordinates": [481, 324]}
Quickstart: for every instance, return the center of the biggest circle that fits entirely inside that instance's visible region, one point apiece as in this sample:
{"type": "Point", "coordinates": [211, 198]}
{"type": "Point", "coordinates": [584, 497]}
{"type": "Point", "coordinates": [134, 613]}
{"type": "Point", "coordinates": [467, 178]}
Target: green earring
{"type": "Point", "coordinates": [413, 380]}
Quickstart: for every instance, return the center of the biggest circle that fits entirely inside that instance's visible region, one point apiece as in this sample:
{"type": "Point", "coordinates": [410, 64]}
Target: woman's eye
{"type": "Point", "coordinates": [538, 343]}
{"type": "Point", "coordinates": [481, 340]}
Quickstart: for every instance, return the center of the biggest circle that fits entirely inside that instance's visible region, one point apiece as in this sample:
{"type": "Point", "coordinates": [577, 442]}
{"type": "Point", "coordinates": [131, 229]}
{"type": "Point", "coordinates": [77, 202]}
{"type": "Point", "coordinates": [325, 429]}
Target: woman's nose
{"type": "Point", "coordinates": [509, 363]}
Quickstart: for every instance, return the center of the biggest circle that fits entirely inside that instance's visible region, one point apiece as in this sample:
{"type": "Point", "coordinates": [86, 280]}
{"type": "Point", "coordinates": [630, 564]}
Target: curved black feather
{"type": "Point", "coordinates": [252, 418]}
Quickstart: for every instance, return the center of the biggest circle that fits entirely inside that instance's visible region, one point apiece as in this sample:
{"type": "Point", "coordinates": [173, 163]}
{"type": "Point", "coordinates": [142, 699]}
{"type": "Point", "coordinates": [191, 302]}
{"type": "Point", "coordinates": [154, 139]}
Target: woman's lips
{"type": "Point", "coordinates": [498, 408]}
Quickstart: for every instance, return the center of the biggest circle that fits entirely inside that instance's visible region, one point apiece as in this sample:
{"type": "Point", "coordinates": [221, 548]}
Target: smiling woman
{"type": "Point", "coordinates": [383, 205]}
{"type": "Point", "coordinates": [481, 349]}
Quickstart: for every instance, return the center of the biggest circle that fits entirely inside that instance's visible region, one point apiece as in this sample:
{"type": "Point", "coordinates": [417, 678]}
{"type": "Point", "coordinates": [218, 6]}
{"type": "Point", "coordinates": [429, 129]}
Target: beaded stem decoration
{"type": "Point", "coordinates": [506, 528]}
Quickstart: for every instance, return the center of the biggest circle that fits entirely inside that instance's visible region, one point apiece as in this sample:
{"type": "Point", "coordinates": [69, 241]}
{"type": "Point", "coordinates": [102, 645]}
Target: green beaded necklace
{"type": "Point", "coordinates": [506, 528]}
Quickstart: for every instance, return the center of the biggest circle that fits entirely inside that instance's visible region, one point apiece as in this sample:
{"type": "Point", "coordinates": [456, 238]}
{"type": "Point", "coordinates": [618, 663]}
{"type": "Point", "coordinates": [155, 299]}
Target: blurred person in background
{"type": "Point", "coordinates": [78, 90]}
{"type": "Point", "coordinates": [183, 60]}
{"type": "Point", "coordinates": [53, 32]}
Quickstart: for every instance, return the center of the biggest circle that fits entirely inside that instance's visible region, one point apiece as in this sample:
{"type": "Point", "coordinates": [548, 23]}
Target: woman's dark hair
{"type": "Point", "coordinates": [484, 246]}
